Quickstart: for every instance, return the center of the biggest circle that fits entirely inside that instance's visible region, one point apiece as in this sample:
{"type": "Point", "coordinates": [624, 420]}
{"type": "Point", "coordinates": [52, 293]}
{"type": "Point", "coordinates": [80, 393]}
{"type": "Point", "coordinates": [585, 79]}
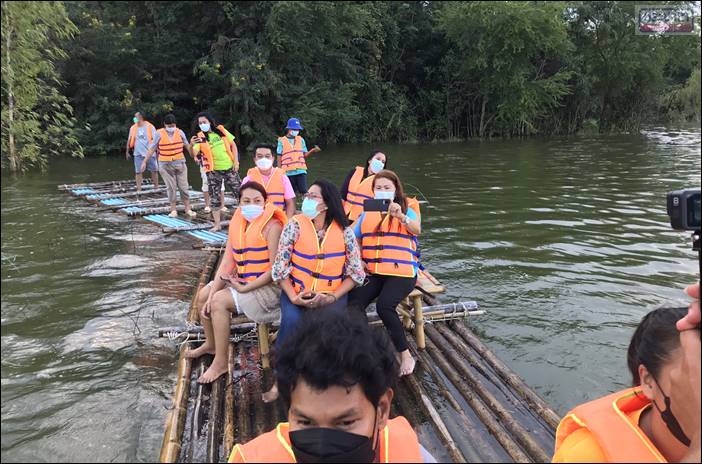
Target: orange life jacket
{"type": "Point", "coordinates": [317, 267]}
{"type": "Point", "coordinates": [133, 133]}
{"type": "Point", "coordinates": [607, 419]}
{"type": "Point", "coordinates": [275, 187]}
{"type": "Point", "coordinates": [207, 159]}
{"type": "Point", "coordinates": [387, 247]}
{"type": "Point", "coordinates": [397, 443]}
{"type": "Point", "coordinates": [248, 245]}
{"type": "Point", "coordinates": [170, 148]}
{"type": "Point", "coordinates": [292, 157]}
{"type": "Point", "coordinates": [360, 189]}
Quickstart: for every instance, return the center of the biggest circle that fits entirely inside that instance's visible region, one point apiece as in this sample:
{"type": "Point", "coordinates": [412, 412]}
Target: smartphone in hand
{"type": "Point", "coordinates": [376, 205]}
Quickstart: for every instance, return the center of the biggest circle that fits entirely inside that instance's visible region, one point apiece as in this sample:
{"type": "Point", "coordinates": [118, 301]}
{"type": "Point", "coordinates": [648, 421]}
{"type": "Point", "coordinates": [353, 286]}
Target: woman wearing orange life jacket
{"type": "Point", "coordinates": [318, 261]}
{"type": "Point", "coordinates": [389, 252]}
{"type": "Point", "coordinates": [243, 279]}
{"type": "Point", "coordinates": [655, 420]}
{"type": "Point", "coordinates": [358, 185]}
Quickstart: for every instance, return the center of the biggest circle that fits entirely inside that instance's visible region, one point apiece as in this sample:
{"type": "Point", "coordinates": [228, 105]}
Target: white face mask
{"type": "Point", "coordinates": [170, 130]}
{"type": "Point", "coordinates": [294, 133]}
{"type": "Point", "coordinates": [264, 163]}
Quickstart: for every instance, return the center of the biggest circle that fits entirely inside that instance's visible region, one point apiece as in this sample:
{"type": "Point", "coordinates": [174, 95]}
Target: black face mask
{"type": "Point", "coordinates": [669, 418]}
{"type": "Point", "coordinates": [332, 445]}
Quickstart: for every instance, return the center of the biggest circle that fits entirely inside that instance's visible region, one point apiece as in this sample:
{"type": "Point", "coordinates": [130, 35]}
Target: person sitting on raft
{"type": "Point", "coordinates": [170, 141]}
{"type": "Point", "coordinates": [292, 151]}
{"type": "Point", "coordinates": [358, 185]}
{"type": "Point", "coordinates": [337, 377]}
{"type": "Point", "coordinates": [277, 184]}
{"type": "Point", "coordinates": [141, 134]}
{"type": "Point", "coordinates": [218, 156]}
{"type": "Point", "coordinates": [243, 279]}
{"type": "Point", "coordinates": [318, 261]}
{"type": "Point", "coordinates": [389, 252]}
{"type": "Point", "coordinates": [658, 419]}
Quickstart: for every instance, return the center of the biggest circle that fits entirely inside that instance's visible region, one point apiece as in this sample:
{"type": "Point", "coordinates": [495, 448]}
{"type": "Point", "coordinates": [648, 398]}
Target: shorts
{"type": "Point", "coordinates": [152, 165]}
{"type": "Point", "coordinates": [205, 185]}
{"type": "Point", "coordinates": [261, 305]}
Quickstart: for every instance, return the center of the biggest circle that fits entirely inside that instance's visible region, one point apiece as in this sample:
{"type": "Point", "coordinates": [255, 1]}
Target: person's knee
{"type": "Point", "coordinates": [221, 301]}
{"type": "Point", "coordinates": [203, 294]}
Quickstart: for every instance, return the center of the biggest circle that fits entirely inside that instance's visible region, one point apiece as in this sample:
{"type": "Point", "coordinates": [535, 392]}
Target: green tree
{"type": "Point", "coordinates": [37, 119]}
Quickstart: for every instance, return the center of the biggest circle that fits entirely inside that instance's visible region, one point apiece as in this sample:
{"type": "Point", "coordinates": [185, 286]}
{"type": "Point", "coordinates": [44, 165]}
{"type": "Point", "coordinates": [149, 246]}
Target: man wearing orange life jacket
{"type": "Point", "coordinates": [170, 142]}
{"type": "Point", "coordinates": [389, 251]}
{"type": "Point", "coordinates": [358, 185]}
{"type": "Point", "coordinates": [292, 151]}
{"type": "Point", "coordinates": [318, 261]}
{"type": "Point", "coordinates": [141, 134]}
{"type": "Point", "coordinates": [277, 184]}
{"type": "Point", "coordinates": [643, 423]}
{"type": "Point", "coordinates": [243, 280]}
{"type": "Point", "coordinates": [331, 420]}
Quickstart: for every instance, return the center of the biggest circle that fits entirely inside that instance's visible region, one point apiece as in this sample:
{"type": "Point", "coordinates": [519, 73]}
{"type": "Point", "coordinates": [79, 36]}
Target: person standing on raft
{"type": "Point", "coordinates": [278, 187]}
{"type": "Point", "coordinates": [292, 151]}
{"type": "Point", "coordinates": [217, 154]}
{"type": "Point", "coordinates": [358, 185]}
{"type": "Point", "coordinates": [389, 252]}
{"type": "Point", "coordinates": [243, 280]}
{"type": "Point", "coordinates": [141, 134]}
{"type": "Point", "coordinates": [170, 141]}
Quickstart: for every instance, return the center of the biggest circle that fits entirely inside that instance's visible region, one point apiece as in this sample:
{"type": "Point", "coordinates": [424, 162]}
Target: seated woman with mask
{"type": "Point", "coordinates": [656, 420]}
{"type": "Point", "coordinates": [243, 280]}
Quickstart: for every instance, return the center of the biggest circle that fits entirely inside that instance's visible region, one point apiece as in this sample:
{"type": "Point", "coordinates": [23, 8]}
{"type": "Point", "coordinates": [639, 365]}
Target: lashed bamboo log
{"type": "Point", "coordinates": [491, 423]}
{"type": "Point", "coordinates": [535, 402]}
{"type": "Point", "coordinates": [175, 421]}
{"type": "Point", "coordinates": [203, 226]}
{"type": "Point", "coordinates": [100, 184]}
{"type": "Point", "coordinates": [433, 414]}
{"type": "Point", "coordinates": [214, 424]}
{"type": "Point", "coordinates": [242, 394]}
{"type": "Point", "coordinates": [228, 434]}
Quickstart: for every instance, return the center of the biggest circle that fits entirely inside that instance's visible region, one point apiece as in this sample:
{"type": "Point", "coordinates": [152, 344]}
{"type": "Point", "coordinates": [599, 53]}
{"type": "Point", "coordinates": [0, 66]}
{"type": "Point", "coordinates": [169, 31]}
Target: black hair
{"type": "Point", "coordinates": [169, 119]}
{"type": "Point", "coordinates": [332, 198]}
{"type": "Point", "coordinates": [654, 340]}
{"type": "Point", "coordinates": [267, 146]}
{"type": "Point", "coordinates": [337, 349]}
{"type": "Point", "coordinates": [256, 186]}
{"type": "Point", "coordinates": [196, 125]}
{"type": "Point", "coordinates": [370, 157]}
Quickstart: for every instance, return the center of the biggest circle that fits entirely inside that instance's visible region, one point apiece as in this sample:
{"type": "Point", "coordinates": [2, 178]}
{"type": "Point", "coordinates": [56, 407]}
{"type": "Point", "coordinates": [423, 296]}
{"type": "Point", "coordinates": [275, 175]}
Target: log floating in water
{"type": "Point", "coordinates": [535, 402]}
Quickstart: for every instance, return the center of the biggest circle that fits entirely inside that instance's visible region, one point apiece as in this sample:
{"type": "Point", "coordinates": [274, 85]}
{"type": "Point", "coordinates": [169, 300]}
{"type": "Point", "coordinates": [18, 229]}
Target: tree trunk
{"type": "Point", "coordinates": [14, 161]}
{"type": "Point", "coordinates": [481, 130]}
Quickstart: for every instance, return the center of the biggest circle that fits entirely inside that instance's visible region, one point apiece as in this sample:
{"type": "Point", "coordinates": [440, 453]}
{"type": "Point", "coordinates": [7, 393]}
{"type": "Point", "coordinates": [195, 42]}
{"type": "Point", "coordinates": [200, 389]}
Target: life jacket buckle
{"type": "Point", "coordinates": [320, 256]}
{"type": "Point", "coordinates": [315, 275]}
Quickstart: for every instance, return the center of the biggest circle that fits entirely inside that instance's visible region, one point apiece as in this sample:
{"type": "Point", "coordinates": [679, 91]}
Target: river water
{"type": "Point", "coordinates": [564, 242]}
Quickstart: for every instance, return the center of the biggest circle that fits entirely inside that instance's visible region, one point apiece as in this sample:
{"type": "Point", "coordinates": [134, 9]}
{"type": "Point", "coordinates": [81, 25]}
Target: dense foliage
{"type": "Point", "coordinates": [371, 71]}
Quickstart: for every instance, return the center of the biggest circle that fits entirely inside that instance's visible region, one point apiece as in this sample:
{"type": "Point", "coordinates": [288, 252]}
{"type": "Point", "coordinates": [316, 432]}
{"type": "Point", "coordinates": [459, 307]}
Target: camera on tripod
{"type": "Point", "coordinates": [684, 211]}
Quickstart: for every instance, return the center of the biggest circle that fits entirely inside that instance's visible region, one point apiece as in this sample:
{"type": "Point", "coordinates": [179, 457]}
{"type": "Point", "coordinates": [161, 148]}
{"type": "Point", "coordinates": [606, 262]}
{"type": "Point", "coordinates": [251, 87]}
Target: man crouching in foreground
{"type": "Point", "coordinates": [337, 375]}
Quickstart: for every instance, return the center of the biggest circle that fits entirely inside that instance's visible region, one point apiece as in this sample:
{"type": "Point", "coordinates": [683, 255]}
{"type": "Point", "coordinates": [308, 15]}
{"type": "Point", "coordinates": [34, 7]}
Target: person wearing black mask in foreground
{"type": "Point", "coordinates": [337, 375]}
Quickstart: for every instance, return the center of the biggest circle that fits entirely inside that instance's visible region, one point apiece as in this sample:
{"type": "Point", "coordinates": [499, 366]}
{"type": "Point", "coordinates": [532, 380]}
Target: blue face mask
{"type": "Point", "coordinates": [376, 166]}
{"type": "Point", "coordinates": [251, 212]}
{"type": "Point", "coordinates": [309, 208]}
{"type": "Point", "coordinates": [205, 127]}
{"type": "Point", "coordinates": [294, 133]}
{"type": "Point", "coordinates": [136, 120]}
{"type": "Point", "coordinates": [384, 195]}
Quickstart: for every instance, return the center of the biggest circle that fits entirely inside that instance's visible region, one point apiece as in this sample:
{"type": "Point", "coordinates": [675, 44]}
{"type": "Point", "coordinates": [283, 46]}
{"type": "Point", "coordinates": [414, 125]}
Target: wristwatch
{"type": "Point", "coordinates": [405, 220]}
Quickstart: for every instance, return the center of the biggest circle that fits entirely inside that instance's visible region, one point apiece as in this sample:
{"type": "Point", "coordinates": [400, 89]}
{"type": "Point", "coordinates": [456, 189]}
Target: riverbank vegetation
{"type": "Point", "coordinates": [352, 71]}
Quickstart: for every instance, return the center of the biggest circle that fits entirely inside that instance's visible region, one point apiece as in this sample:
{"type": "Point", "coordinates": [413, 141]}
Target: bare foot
{"type": "Point", "coordinates": [216, 229]}
{"type": "Point", "coordinates": [204, 349]}
{"type": "Point", "coordinates": [271, 395]}
{"type": "Point", "coordinates": [214, 372]}
{"type": "Point", "coordinates": [407, 364]}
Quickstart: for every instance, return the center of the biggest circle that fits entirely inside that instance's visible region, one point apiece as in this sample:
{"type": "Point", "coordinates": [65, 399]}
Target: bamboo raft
{"type": "Point", "coordinates": [464, 403]}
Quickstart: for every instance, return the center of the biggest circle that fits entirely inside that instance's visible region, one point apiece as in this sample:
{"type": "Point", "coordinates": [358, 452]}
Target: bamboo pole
{"type": "Point", "coordinates": [419, 322]}
{"type": "Point", "coordinates": [175, 421]}
{"type": "Point", "coordinates": [264, 345]}
{"type": "Point", "coordinates": [214, 424]}
{"type": "Point", "coordinates": [491, 423]}
{"type": "Point", "coordinates": [99, 184]}
{"type": "Point", "coordinates": [129, 193]}
{"type": "Point", "coordinates": [523, 437]}
{"type": "Point", "coordinates": [479, 449]}
{"type": "Point", "coordinates": [535, 402]}
{"type": "Point", "coordinates": [207, 269]}
{"type": "Point", "coordinates": [433, 414]}
{"type": "Point", "coordinates": [228, 438]}
{"type": "Point", "coordinates": [180, 207]}
{"type": "Point", "coordinates": [203, 226]}
{"type": "Point", "coordinates": [243, 403]}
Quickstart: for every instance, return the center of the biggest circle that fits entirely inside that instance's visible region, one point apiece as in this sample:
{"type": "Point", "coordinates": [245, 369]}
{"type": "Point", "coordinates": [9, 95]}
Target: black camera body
{"type": "Point", "coordinates": [684, 209]}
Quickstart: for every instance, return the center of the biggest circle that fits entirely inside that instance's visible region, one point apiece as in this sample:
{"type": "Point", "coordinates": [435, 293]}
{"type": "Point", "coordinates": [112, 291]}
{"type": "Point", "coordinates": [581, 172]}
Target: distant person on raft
{"type": "Point", "coordinates": [217, 153]}
{"type": "Point", "coordinates": [169, 142]}
{"type": "Point", "coordinates": [292, 151]}
{"type": "Point", "coordinates": [358, 185]}
{"type": "Point", "coordinates": [141, 134]}
{"type": "Point", "coordinates": [278, 187]}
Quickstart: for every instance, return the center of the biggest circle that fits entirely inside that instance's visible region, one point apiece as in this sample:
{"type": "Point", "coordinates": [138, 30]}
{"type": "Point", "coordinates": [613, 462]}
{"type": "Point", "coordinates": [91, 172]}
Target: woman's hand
{"type": "Point", "coordinates": [195, 139]}
{"type": "Point", "coordinates": [692, 320]}
{"type": "Point", "coordinates": [395, 210]}
{"type": "Point", "coordinates": [207, 307]}
{"type": "Point", "coordinates": [240, 286]}
{"type": "Point", "coordinates": [320, 300]}
{"type": "Point", "coordinates": [297, 299]}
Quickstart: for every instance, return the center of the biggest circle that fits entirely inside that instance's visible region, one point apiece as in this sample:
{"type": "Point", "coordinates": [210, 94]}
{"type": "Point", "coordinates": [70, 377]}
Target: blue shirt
{"type": "Point", "coordinates": [279, 150]}
{"type": "Point", "coordinates": [141, 144]}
